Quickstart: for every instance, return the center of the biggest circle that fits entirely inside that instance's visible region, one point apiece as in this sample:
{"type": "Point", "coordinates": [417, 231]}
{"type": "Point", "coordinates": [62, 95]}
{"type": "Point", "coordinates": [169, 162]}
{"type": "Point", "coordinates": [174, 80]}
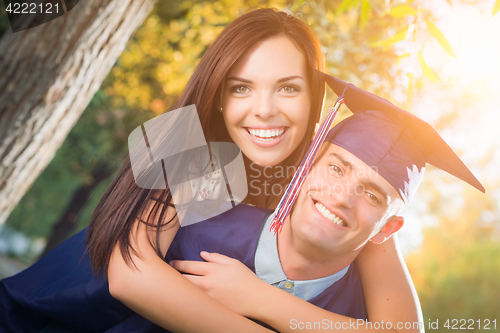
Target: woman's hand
{"type": "Point", "coordinates": [227, 280]}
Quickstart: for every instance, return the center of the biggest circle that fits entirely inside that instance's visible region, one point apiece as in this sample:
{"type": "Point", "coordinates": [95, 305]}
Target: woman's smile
{"type": "Point", "coordinates": [266, 137]}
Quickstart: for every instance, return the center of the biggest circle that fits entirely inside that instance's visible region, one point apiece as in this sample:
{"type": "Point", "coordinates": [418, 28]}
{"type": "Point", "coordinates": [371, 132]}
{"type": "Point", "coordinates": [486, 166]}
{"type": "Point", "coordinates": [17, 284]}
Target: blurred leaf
{"type": "Point", "coordinates": [496, 8]}
{"type": "Point", "coordinates": [391, 40]}
{"type": "Point", "coordinates": [366, 10]}
{"type": "Point", "coordinates": [348, 4]}
{"type": "Point", "coordinates": [402, 11]}
{"type": "Point", "coordinates": [428, 72]}
{"type": "Point", "coordinates": [419, 83]}
{"type": "Point", "coordinates": [436, 33]}
{"type": "Point", "coordinates": [409, 93]}
{"type": "Point", "coordinates": [402, 57]}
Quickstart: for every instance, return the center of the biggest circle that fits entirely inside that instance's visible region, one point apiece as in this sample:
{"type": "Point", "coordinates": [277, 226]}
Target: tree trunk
{"type": "Point", "coordinates": [67, 222]}
{"type": "Point", "coordinates": [48, 76]}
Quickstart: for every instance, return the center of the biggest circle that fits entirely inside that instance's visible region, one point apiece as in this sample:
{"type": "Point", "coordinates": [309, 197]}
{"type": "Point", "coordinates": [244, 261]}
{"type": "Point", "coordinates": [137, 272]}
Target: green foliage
{"type": "Point", "coordinates": [466, 286]}
{"type": "Point", "coordinates": [439, 36]}
{"type": "Point", "coordinates": [366, 10]}
{"type": "Point", "coordinates": [402, 11]}
{"type": "Point", "coordinates": [346, 30]}
{"type": "Point", "coordinates": [398, 37]}
{"type": "Point", "coordinates": [44, 202]}
{"type": "Point", "coordinates": [99, 137]}
{"type": "Point", "coordinates": [428, 72]}
{"type": "Point", "coordinates": [415, 16]}
{"type": "Point", "coordinates": [456, 270]}
{"type": "Point", "coordinates": [348, 4]}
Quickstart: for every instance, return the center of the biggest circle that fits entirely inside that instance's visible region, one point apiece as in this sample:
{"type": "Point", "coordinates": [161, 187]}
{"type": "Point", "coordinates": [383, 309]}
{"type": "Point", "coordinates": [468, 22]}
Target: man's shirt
{"type": "Point", "coordinates": [268, 268]}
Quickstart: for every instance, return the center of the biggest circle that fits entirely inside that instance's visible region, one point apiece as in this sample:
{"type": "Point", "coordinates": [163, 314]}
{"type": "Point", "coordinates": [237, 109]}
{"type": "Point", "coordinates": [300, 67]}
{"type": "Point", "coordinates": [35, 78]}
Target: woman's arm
{"type": "Point", "coordinates": [159, 293]}
{"type": "Point", "coordinates": [234, 285]}
{"type": "Point", "coordinates": [389, 291]}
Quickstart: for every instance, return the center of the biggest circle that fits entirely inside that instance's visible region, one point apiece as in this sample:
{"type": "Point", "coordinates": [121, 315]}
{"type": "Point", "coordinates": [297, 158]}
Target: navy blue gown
{"type": "Point", "coordinates": [60, 286]}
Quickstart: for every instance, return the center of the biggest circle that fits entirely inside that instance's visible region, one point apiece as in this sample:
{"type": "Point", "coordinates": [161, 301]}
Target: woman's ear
{"type": "Point", "coordinates": [392, 226]}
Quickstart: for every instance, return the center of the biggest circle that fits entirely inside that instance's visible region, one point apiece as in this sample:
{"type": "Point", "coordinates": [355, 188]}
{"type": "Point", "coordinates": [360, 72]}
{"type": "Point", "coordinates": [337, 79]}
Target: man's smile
{"type": "Point", "coordinates": [329, 215]}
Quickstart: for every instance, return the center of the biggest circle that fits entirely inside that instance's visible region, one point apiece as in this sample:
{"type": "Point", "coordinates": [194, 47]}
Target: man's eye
{"type": "Point", "coordinates": [372, 197]}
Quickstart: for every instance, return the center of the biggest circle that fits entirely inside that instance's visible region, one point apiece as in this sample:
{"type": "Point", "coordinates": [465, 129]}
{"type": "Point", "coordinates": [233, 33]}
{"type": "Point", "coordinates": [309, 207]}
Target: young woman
{"type": "Point", "coordinates": [259, 75]}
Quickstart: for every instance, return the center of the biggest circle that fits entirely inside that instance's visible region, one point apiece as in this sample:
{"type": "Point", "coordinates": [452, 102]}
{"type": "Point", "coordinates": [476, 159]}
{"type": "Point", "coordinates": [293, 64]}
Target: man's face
{"type": "Point", "coordinates": [343, 203]}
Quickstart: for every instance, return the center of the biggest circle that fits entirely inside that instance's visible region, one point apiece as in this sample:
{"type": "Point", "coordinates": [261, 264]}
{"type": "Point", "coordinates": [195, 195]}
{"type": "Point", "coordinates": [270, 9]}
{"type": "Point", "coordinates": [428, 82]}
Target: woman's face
{"type": "Point", "coordinates": [266, 101]}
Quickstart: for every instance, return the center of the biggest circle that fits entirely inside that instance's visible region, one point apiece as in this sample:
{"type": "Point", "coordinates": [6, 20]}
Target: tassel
{"type": "Point", "coordinates": [287, 201]}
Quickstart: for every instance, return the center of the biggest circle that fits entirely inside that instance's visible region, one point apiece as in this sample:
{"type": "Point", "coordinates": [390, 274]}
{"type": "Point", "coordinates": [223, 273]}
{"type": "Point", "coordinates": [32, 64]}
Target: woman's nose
{"type": "Point", "coordinates": [265, 107]}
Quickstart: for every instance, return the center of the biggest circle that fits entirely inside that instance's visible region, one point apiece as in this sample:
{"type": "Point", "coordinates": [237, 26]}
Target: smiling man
{"type": "Point", "coordinates": [343, 204]}
{"type": "Point", "coordinates": [365, 172]}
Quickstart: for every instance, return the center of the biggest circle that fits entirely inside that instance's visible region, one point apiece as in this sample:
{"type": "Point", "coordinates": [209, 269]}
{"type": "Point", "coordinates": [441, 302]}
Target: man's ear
{"type": "Point", "coordinates": [393, 225]}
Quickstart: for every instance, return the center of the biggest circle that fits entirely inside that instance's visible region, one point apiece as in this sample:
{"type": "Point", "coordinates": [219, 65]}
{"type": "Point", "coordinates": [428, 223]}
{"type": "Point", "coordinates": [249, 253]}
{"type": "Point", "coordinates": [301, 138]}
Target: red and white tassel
{"type": "Point", "coordinates": [286, 203]}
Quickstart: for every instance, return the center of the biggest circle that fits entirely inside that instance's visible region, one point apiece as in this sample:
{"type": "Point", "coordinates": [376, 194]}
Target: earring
{"type": "Point", "coordinates": [221, 109]}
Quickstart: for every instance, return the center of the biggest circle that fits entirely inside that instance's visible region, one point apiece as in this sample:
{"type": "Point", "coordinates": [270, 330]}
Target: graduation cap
{"type": "Point", "coordinates": [394, 142]}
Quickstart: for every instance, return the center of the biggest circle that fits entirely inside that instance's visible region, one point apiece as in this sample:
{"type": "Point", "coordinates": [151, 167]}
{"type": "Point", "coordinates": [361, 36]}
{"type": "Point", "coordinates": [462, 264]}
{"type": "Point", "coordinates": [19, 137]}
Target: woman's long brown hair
{"type": "Point", "coordinates": [124, 202]}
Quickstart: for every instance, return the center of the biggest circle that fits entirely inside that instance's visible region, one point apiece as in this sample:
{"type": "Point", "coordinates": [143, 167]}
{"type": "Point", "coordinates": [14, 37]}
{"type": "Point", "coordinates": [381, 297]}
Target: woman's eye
{"type": "Point", "coordinates": [289, 89]}
{"type": "Point", "coordinates": [336, 169]}
{"type": "Point", "coordinates": [240, 89]}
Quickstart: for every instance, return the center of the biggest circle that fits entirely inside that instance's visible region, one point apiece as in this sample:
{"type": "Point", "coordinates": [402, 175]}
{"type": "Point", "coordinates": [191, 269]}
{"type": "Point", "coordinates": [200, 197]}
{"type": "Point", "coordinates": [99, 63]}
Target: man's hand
{"type": "Point", "coordinates": [226, 280]}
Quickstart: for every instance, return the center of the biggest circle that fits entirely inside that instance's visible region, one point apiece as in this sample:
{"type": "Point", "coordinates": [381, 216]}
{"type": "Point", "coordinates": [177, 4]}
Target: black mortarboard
{"type": "Point", "coordinates": [393, 141]}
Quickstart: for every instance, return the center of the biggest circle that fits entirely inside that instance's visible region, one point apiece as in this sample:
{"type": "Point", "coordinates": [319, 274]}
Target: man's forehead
{"type": "Point", "coordinates": [364, 173]}
{"type": "Point", "coordinates": [329, 150]}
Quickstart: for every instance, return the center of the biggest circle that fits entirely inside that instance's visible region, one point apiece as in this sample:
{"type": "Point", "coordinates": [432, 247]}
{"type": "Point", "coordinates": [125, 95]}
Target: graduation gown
{"type": "Point", "coordinates": [60, 286]}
